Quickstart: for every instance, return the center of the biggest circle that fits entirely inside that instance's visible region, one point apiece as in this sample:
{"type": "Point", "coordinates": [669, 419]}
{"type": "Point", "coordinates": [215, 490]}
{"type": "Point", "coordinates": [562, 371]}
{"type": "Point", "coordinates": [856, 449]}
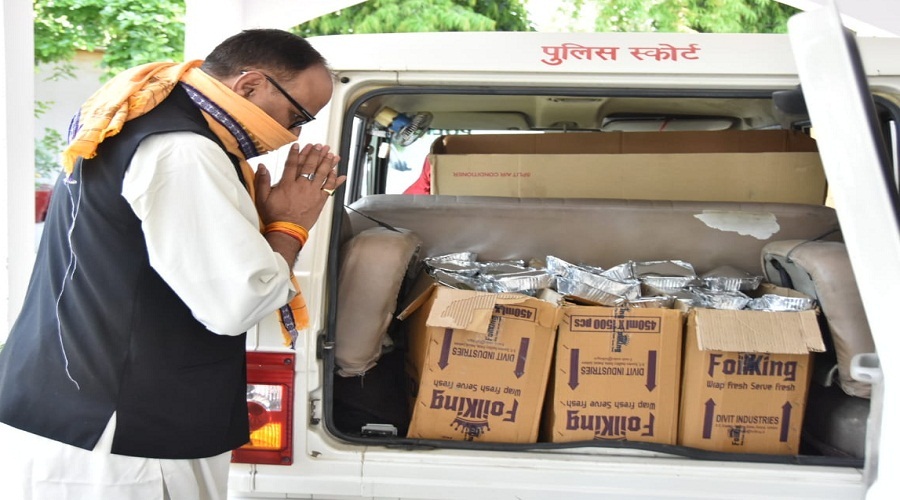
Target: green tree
{"type": "Point", "coordinates": [398, 16]}
{"type": "Point", "coordinates": [129, 32]}
{"type": "Point", "coordinates": [703, 16]}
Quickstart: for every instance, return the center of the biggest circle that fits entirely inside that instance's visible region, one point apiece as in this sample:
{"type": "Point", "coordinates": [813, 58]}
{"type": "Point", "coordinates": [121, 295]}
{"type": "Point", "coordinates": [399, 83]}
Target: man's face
{"type": "Point", "coordinates": [292, 102]}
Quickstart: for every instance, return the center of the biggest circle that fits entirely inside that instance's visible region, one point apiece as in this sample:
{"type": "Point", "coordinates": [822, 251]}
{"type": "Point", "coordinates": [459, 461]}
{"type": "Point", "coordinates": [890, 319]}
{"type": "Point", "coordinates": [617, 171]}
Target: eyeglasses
{"type": "Point", "coordinates": [305, 116]}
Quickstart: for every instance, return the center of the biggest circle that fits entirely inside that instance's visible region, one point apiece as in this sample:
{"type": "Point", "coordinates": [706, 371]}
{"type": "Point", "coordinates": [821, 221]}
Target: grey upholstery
{"type": "Point", "coordinates": [374, 263]}
{"type": "Point", "coordinates": [821, 269]}
{"type": "Point", "coordinates": [597, 232]}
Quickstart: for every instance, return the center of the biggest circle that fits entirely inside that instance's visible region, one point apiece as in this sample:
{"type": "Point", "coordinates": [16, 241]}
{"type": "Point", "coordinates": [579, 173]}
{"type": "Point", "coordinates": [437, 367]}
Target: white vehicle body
{"type": "Point", "coordinates": [325, 465]}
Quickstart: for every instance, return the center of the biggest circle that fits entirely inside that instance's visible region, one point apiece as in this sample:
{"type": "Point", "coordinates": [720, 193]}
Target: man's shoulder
{"type": "Point", "coordinates": [180, 141]}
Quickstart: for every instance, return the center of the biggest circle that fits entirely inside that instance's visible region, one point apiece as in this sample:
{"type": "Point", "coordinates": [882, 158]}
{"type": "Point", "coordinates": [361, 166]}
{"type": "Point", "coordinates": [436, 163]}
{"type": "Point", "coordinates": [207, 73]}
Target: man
{"type": "Point", "coordinates": [124, 375]}
{"type": "Point", "coordinates": [422, 185]}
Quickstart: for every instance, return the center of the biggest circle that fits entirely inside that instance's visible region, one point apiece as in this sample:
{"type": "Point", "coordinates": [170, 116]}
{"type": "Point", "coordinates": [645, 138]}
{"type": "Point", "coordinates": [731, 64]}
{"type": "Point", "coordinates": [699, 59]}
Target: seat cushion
{"type": "Point", "coordinates": [822, 270]}
{"type": "Point", "coordinates": [374, 264]}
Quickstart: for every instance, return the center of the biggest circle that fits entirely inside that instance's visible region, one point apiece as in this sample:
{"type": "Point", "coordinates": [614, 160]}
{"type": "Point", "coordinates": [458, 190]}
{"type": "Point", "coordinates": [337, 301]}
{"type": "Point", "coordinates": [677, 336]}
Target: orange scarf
{"type": "Point", "coordinates": [136, 91]}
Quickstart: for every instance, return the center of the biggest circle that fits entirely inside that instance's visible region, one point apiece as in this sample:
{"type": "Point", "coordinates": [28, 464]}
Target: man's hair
{"type": "Point", "coordinates": [272, 50]}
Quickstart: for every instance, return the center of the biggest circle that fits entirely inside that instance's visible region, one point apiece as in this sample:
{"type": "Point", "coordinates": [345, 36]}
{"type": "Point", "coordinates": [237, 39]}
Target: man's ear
{"type": "Point", "coordinates": [247, 83]}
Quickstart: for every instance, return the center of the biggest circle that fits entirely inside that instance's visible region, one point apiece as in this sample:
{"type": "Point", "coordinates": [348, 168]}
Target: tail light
{"type": "Point", "coordinates": [270, 395]}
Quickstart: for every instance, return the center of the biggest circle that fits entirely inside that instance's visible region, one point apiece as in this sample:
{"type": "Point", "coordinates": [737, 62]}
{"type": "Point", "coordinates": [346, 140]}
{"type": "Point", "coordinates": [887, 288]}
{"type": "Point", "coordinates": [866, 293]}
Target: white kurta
{"type": "Point", "coordinates": [203, 238]}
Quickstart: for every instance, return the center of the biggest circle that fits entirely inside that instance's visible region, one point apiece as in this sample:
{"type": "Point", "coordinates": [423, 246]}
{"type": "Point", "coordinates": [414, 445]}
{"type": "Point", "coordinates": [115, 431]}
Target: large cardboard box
{"type": "Point", "coordinates": [746, 376]}
{"type": "Point", "coordinates": [746, 166]}
{"type": "Point", "coordinates": [617, 375]}
{"type": "Point", "coordinates": [479, 364]}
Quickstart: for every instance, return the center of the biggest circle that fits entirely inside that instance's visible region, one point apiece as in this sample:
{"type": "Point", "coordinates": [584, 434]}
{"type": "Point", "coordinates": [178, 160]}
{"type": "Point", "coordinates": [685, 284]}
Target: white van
{"type": "Point", "coordinates": [766, 153]}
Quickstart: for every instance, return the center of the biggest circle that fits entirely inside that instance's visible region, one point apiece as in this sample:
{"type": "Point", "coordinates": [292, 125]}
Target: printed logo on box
{"type": "Point", "coordinates": [473, 415]}
{"type": "Point", "coordinates": [753, 364]}
{"type": "Point", "coordinates": [610, 427]}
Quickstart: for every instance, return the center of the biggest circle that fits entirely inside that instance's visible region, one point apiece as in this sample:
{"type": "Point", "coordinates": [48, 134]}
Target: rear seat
{"type": "Point", "coordinates": [597, 231]}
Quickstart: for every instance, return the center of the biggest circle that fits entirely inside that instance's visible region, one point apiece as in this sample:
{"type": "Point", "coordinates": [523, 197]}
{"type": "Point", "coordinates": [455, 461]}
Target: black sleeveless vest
{"type": "Point", "coordinates": [122, 339]}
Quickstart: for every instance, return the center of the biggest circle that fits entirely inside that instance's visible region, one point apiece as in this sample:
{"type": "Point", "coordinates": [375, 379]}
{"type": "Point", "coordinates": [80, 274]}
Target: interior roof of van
{"type": "Point", "coordinates": [585, 112]}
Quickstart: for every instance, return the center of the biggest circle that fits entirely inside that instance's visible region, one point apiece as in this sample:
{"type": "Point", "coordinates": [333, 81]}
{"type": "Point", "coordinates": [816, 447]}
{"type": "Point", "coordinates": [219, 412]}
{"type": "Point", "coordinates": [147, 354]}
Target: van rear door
{"type": "Point", "coordinates": [858, 165]}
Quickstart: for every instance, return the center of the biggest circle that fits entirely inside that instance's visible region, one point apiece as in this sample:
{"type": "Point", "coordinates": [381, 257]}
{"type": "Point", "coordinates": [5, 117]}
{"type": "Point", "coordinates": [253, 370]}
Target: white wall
{"type": "Point", "coordinates": [16, 157]}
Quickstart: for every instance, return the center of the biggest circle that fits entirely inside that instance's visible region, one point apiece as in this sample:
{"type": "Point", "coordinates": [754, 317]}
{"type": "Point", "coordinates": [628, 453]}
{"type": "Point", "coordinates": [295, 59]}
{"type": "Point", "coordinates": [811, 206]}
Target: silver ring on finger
{"type": "Point", "coordinates": [310, 176]}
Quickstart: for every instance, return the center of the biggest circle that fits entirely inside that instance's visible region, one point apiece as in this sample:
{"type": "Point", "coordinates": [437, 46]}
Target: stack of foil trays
{"type": "Point", "coordinates": [659, 284]}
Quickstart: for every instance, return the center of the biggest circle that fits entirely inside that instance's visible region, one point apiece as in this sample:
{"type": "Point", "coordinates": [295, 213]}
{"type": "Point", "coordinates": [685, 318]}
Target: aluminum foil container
{"type": "Point", "coordinates": [649, 291]}
{"type": "Point", "coordinates": [558, 266]}
{"type": "Point", "coordinates": [592, 269]}
{"type": "Point", "coordinates": [453, 257]}
{"type": "Point", "coordinates": [527, 282]}
{"type": "Point", "coordinates": [658, 302]}
{"type": "Point", "coordinates": [668, 284]}
{"type": "Point", "coordinates": [622, 272]}
{"type": "Point", "coordinates": [459, 281]}
{"type": "Point", "coordinates": [663, 268]}
{"type": "Point", "coordinates": [628, 289]}
{"type": "Point", "coordinates": [461, 263]}
{"type": "Point", "coordinates": [731, 279]}
{"type": "Point", "coordinates": [713, 299]}
{"type": "Point", "coordinates": [584, 284]}
{"type": "Point", "coordinates": [503, 267]}
{"type": "Point", "coordinates": [665, 275]}
{"type": "Point", "coordinates": [777, 303]}
{"type": "Point", "coordinates": [572, 288]}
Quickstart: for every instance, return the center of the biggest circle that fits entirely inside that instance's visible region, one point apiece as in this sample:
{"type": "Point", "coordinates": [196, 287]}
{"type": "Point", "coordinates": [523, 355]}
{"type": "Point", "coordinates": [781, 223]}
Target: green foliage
{"type": "Point", "coordinates": [510, 15]}
{"type": "Point", "coordinates": [401, 16]}
{"type": "Point", "coordinates": [703, 16]}
{"type": "Point", "coordinates": [47, 151]}
{"type": "Point", "coordinates": [130, 32]}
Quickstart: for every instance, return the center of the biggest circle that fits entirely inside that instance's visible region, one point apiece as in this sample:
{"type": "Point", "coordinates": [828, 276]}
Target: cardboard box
{"type": "Point", "coordinates": [616, 376]}
{"type": "Point", "coordinates": [726, 141]}
{"type": "Point", "coordinates": [746, 376]}
{"type": "Point", "coordinates": [479, 363]}
{"type": "Point", "coordinates": [698, 166]}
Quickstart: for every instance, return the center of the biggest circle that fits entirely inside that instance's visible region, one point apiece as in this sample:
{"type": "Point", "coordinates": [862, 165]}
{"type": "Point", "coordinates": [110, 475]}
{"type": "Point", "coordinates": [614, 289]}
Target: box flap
{"type": "Point", "coordinates": [463, 309]}
{"type": "Point", "coordinates": [422, 290]}
{"type": "Point", "coordinates": [543, 316]}
{"type": "Point", "coordinates": [757, 331]}
{"type": "Point", "coordinates": [416, 295]}
{"type": "Point", "coordinates": [472, 311]}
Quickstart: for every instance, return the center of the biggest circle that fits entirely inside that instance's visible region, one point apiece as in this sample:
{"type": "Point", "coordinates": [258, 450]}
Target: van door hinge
{"type": "Point", "coordinates": [315, 415]}
{"type": "Point", "coordinates": [322, 345]}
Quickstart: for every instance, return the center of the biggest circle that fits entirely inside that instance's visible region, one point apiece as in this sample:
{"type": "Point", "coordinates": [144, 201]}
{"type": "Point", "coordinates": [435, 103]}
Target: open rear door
{"type": "Point", "coordinates": [859, 172]}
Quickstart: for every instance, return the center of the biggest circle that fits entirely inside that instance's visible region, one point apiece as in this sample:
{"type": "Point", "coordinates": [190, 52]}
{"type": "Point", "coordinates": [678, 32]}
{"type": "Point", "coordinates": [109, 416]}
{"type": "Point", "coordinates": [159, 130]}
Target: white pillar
{"type": "Point", "coordinates": [865, 17]}
{"type": "Point", "coordinates": [16, 157]}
